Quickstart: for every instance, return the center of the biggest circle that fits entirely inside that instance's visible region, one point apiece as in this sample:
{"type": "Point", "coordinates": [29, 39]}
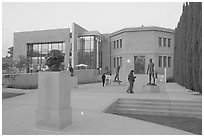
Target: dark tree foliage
{"type": "Point", "coordinates": [188, 47]}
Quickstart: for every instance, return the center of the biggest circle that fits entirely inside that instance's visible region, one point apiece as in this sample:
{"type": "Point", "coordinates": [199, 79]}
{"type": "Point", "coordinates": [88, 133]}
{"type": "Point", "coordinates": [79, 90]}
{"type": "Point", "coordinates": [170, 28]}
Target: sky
{"type": "Point", "coordinates": [103, 17]}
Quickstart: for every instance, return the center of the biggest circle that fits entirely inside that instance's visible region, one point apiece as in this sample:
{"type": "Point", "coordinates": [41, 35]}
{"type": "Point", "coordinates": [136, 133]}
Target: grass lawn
{"type": "Point", "coordinates": [189, 124]}
{"type": "Point", "coordinates": [9, 95]}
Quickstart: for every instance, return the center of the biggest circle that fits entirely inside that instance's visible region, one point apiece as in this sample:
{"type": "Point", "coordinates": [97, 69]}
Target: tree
{"type": "Point", "coordinates": [22, 63]}
{"type": "Point", "coordinates": [10, 51]}
{"type": "Point", "coordinates": [188, 47]}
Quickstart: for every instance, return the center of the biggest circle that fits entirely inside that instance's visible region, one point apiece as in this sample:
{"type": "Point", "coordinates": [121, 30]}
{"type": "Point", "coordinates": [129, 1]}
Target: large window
{"type": "Point", "coordinates": [169, 61]}
{"type": "Point", "coordinates": [36, 53]}
{"type": "Point", "coordinates": [117, 61]}
{"type": "Point", "coordinates": [117, 44]}
{"type": "Point", "coordinates": [114, 62]}
{"type": "Point", "coordinates": [160, 61]}
{"type": "Point", "coordinates": [164, 61]}
{"type": "Point", "coordinates": [120, 43]}
{"type": "Point", "coordinates": [160, 41]}
{"type": "Point", "coordinates": [169, 42]}
{"type": "Point", "coordinates": [90, 51]}
{"type": "Point", "coordinates": [164, 42]}
{"type": "Point", "coordinates": [120, 61]}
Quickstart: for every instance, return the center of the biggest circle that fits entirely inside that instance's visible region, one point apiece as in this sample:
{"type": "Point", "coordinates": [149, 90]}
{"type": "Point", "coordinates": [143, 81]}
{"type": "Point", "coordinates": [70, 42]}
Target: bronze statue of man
{"type": "Point", "coordinates": [150, 70]}
{"type": "Point", "coordinates": [54, 59]}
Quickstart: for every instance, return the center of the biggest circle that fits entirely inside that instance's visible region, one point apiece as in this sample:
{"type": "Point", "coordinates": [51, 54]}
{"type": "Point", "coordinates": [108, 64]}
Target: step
{"type": "Point", "coordinates": [172, 104]}
{"type": "Point", "coordinates": [186, 109]}
{"type": "Point", "coordinates": [164, 103]}
{"type": "Point", "coordinates": [161, 112]}
{"type": "Point", "coordinates": [159, 100]}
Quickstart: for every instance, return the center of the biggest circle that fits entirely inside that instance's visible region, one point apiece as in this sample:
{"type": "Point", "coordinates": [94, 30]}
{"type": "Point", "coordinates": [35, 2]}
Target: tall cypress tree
{"type": "Point", "coordinates": [188, 47]}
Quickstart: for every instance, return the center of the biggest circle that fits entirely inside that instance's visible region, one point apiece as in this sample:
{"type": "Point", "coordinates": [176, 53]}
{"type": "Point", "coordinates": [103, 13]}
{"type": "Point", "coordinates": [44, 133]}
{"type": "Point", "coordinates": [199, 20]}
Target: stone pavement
{"type": "Point", "coordinates": [88, 102]}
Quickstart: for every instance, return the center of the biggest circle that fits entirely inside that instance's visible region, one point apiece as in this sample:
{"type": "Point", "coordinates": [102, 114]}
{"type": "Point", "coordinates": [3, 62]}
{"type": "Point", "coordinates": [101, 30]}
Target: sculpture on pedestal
{"type": "Point", "coordinates": [150, 71]}
{"type": "Point", "coordinates": [54, 59]}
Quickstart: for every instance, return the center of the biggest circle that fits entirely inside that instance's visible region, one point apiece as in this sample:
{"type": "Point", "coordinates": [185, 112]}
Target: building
{"type": "Point", "coordinates": [131, 48]}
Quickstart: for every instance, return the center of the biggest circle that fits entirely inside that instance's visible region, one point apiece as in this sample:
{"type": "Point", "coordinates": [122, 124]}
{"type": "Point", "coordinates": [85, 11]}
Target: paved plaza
{"type": "Point", "coordinates": [88, 102]}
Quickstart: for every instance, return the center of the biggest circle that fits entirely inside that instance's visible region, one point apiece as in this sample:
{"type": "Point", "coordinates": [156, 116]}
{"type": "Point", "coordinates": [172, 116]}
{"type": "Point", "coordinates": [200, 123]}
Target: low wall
{"type": "Point", "coordinates": [87, 76]}
{"type": "Point", "coordinates": [26, 80]}
{"type": "Point", "coordinates": [30, 80]}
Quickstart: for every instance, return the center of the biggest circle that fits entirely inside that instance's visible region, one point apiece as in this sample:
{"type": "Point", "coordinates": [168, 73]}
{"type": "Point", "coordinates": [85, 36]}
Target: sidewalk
{"type": "Point", "coordinates": [18, 116]}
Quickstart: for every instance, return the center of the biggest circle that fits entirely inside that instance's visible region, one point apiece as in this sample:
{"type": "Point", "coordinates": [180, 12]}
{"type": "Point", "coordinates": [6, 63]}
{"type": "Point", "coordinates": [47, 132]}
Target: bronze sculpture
{"type": "Point", "coordinates": [151, 72]}
{"type": "Point", "coordinates": [54, 59]}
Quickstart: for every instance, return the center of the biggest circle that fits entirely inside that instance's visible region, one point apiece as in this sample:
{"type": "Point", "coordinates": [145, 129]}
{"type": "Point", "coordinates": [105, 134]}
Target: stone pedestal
{"type": "Point", "coordinates": [161, 83]}
{"type": "Point", "coordinates": [151, 89]}
{"type": "Point", "coordinates": [74, 81]}
{"type": "Point", "coordinates": [54, 101]}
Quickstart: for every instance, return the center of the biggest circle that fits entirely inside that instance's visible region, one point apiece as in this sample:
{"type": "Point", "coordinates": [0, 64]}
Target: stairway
{"type": "Point", "coordinates": [158, 107]}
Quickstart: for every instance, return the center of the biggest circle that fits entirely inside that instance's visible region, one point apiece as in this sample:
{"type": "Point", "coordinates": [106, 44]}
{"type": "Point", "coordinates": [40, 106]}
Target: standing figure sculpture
{"type": "Point", "coordinates": [150, 71]}
{"type": "Point", "coordinates": [54, 59]}
{"type": "Point", "coordinates": [117, 73]}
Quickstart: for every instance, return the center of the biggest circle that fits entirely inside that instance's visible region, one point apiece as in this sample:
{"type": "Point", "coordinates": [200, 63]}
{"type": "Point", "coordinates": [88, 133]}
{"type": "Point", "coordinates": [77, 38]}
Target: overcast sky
{"type": "Point", "coordinates": [104, 17]}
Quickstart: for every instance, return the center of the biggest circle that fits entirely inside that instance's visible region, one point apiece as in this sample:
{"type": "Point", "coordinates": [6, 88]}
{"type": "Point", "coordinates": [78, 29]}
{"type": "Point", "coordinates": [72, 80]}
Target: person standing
{"type": "Point", "coordinates": [103, 79]}
{"type": "Point", "coordinates": [131, 80]}
{"type": "Point", "coordinates": [117, 73]}
{"type": "Point", "coordinates": [71, 70]}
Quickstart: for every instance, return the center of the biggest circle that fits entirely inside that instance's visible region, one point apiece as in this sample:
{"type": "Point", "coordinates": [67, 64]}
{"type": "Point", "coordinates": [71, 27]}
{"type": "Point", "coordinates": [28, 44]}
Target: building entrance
{"type": "Point", "coordinates": [139, 64]}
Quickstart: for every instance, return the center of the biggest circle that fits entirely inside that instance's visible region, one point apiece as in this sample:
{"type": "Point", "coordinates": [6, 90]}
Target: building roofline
{"type": "Point", "coordinates": [41, 30]}
{"type": "Point", "coordinates": [142, 28]}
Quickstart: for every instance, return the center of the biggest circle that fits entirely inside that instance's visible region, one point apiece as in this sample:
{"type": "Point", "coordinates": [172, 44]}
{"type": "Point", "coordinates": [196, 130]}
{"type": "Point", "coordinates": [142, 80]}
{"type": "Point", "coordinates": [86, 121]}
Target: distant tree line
{"type": "Point", "coordinates": [188, 47]}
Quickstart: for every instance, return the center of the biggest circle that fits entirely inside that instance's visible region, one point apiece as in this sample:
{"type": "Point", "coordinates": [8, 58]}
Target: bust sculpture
{"type": "Point", "coordinates": [54, 59]}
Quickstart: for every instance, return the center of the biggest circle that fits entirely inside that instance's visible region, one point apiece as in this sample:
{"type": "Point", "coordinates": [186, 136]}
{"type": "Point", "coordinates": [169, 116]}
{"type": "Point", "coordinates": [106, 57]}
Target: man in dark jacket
{"type": "Point", "coordinates": [131, 79]}
{"type": "Point", "coordinates": [103, 78]}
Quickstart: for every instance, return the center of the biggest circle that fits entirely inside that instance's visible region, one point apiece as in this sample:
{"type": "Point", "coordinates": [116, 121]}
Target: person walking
{"type": "Point", "coordinates": [131, 80]}
{"type": "Point", "coordinates": [103, 78]}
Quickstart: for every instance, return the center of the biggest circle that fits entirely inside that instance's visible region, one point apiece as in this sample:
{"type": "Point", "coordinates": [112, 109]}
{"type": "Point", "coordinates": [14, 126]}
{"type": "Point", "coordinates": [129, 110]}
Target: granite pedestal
{"type": "Point", "coordinates": [151, 89]}
{"type": "Point", "coordinates": [54, 101]}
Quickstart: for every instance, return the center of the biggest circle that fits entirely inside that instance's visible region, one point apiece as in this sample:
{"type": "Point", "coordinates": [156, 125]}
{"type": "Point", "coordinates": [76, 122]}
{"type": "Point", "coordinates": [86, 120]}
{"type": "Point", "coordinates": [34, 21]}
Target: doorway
{"type": "Point", "coordinates": [139, 64]}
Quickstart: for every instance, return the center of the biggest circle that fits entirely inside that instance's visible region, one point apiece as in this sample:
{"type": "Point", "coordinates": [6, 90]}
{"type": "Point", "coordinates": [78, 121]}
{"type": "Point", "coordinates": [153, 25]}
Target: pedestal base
{"type": "Point", "coordinates": [151, 89]}
{"type": "Point", "coordinates": [74, 82]}
{"type": "Point", "coordinates": [54, 100]}
{"type": "Point", "coordinates": [56, 120]}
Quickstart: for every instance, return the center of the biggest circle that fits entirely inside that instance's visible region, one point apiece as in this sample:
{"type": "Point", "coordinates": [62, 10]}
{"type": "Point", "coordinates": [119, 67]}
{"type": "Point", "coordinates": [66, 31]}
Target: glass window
{"type": "Point", "coordinates": [114, 44]}
{"type": "Point", "coordinates": [55, 46]}
{"type": "Point", "coordinates": [164, 61]}
{"type": "Point", "coordinates": [40, 48]}
{"type": "Point", "coordinates": [120, 43]}
{"type": "Point", "coordinates": [49, 47]}
{"type": "Point", "coordinates": [120, 61]}
{"type": "Point", "coordinates": [117, 44]}
{"type": "Point", "coordinates": [117, 61]}
{"type": "Point", "coordinates": [35, 47]}
{"type": "Point", "coordinates": [88, 51]}
{"type": "Point", "coordinates": [114, 62]}
{"type": "Point", "coordinates": [160, 41]}
{"type": "Point", "coordinates": [169, 42]}
{"type": "Point", "coordinates": [44, 48]}
{"type": "Point", "coordinates": [92, 44]}
{"type": "Point", "coordinates": [87, 45]}
{"type": "Point", "coordinates": [60, 47]}
{"type": "Point", "coordinates": [169, 61]}
{"type": "Point", "coordinates": [160, 61]}
{"type": "Point", "coordinates": [164, 42]}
